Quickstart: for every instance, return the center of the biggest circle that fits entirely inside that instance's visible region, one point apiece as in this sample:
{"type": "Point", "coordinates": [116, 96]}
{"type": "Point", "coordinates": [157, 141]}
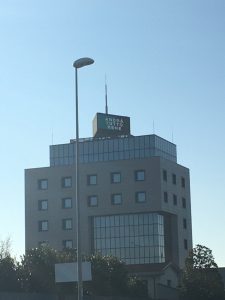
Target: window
{"type": "Point", "coordinates": [66, 182]}
{"type": "Point", "coordinates": [184, 223]}
{"type": "Point", "coordinates": [115, 177]}
{"type": "Point", "coordinates": [43, 204]}
{"type": "Point", "coordinates": [67, 224]}
{"type": "Point", "coordinates": [133, 238]}
{"type": "Point", "coordinates": [140, 175]}
{"type": "Point", "coordinates": [174, 199]}
{"type": "Point", "coordinates": [93, 200]}
{"type": "Point", "coordinates": [165, 196]}
{"type": "Point", "coordinates": [141, 197]}
{"type": "Point", "coordinates": [174, 179]}
{"type": "Point", "coordinates": [67, 203]}
{"type": "Point", "coordinates": [164, 175]}
{"type": "Point", "coordinates": [67, 244]}
{"type": "Point", "coordinates": [169, 282]}
{"type": "Point", "coordinates": [43, 244]}
{"type": "Point", "coordinates": [184, 203]}
{"type": "Point", "coordinates": [43, 225]}
{"type": "Point", "coordinates": [185, 244]}
{"type": "Point", "coordinates": [182, 182]}
{"type": "Point", "coordinates": [43, 184]}
{"type": "Point", "coordinates": [116, 199]}
{"type": "Point", "coordinates": [92, 179]}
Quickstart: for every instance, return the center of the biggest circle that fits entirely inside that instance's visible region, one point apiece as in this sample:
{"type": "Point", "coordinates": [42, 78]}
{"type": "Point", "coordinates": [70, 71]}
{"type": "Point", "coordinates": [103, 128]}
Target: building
{"type": "Point", "coordinates": [134, 200]}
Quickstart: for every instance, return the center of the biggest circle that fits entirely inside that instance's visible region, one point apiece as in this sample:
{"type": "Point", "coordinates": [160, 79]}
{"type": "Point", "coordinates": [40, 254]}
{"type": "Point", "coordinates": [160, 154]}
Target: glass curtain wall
{"type": "Point", "coordinates": [133, 238]}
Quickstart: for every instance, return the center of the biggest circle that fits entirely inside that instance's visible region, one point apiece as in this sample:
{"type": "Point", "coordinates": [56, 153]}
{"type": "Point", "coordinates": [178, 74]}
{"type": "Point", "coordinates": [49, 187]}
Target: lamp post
{"type": "Point", "coordinates": [82, 62]}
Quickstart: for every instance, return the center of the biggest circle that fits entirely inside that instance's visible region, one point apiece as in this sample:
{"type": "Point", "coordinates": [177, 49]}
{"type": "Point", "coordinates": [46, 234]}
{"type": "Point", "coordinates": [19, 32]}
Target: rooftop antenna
{"type": "Point", "coordinates": [153, 126]}
{"type": "Point", "coordinates": [106, 100]}
{"type": "Point", "coordinates": [52, 136]}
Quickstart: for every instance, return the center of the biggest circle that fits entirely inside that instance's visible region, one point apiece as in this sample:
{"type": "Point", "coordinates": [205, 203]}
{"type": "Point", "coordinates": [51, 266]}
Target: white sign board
{"type": "Point", "coordinates": [67, 272]}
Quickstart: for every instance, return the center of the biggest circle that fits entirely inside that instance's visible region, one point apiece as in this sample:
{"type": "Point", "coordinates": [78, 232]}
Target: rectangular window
{"type": "Point", "coordinates": [67, 244]}
{"type": "Point", "coordinates": [185, 244]}
{"type": "Point", "coordinates": [174, 199]}
{"type": "Point", "coordinates": [140, 197]}
{"type": "Point", "coordinates": [43, 204]}
{"type": "Point", "coordinates": [43, 184]}
{"type": "Point", "coordinates": [139, 175]}
{"type": "Point", "coordinates": [93, 200]}
{"type": "Point", "coordinates": [67, 182]}
{"type": "Point", "coordinates": [164, 175]}
{"type": "Point", "coordinates": [67, 224]}
{"type": "Point", "coordinates": [184, 223]}
{"type": "Point", "coordinates": [43, 244]}
{"type": "Point", "coordinates": [67, 203]}
{"type": "Point", "coordinates": [92, 179]}
{"type": "Point", "coordinates": [116, 199]}
{"type": "Point", "coordinates": [115, 177]}
{"type": "Point", "coordinates": [174, 179]}
{"type": "Point", "coordinates": [43, 225]}
{"type": "Point", "coordinates": [182, 182]}
{"type": "Point", "coordinates": [165, 196]}
{"type": "Point", "coordinates": [184, 203]}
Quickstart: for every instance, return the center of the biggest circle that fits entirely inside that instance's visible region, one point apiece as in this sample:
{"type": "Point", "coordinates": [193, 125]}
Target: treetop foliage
{"type": "Point", "coordinates": [201, 258]}
{"type": "Point", "coordinates": [201, 279]}
{"type": "Point", "coordinates": [36, 273]}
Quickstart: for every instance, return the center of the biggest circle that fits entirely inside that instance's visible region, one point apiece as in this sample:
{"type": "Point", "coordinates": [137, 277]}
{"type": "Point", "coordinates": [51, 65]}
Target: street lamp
{"type": "Point", "coordinates": [82, 62]}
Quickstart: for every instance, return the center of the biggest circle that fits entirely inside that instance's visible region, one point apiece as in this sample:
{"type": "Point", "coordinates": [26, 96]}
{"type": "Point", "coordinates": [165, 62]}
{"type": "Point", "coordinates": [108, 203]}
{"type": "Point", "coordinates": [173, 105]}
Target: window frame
{"type": "Point", "coordinates": [174, 199]}
{"type": "Point", "coordinates": [43, 244]}
{"type": "Point", "coordinates": [185, 244]}
{"type": "Point", "coordinates": [65, 246]}
{"type": "Point", "coordinates": [184, 203]}
{"type": "Point", "coordinates": [174, 178]}
{"type": "Point", "coordinates": [90, 197]}
{"type": "Point", "coordinates": [89, 179]}
{"type": "Point", "coordinates": [165, 175]}
{"type": "Point", "coordinates": [64, 202]}
{"type": "Point", "coordinates": [184, 223]}
{"type": "Point", "coordinates": [40, 225]}
{"type": "Point", "coordinates": [113, 197]}
{"type": "Point", "coordinates": [64, 184]}
{"type": "Point", "coordinates": [64, 227]}
{"type": "Point", "coordinates": [40, 202]}
{"type": "Point", "coordinates": [137, 200]}
{"type": "Point", "coordinates": [183, 182]}
{"type": "Point", "coordinates": [112, 177]}
{"type": "Point", "coordinates": [165, 197]}
{"type": "Point", "coordinates": [40, 182]}
{"type": "Point", "coordinates": [138, 172]}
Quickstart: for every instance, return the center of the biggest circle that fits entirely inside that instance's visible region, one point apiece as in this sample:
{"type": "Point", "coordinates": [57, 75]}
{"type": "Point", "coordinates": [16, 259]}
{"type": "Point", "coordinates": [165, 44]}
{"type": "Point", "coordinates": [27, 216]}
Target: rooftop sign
{"type": "Point", "coordinates": [105, 125]}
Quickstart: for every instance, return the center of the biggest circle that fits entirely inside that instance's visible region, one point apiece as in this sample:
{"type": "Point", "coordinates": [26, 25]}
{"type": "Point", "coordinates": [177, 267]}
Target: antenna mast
{"type": "Point", "coordinates": [106, 100]}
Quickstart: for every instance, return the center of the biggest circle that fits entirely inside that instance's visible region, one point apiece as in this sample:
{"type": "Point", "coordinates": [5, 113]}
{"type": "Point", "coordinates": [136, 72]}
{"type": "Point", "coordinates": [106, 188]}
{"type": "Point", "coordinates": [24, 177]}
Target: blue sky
{"type": "Point", "coordinates": [165, 63]}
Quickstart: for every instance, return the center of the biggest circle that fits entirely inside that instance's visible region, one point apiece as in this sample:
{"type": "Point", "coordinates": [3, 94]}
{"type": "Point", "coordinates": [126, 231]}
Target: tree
{"type": "Point", "coordinates": [8, 268]}
{"type": "Point", "coordinates": [137, 288]}
{"type": "Point", "coordinates": [110, 278]}
{"type": "Point", "coordinates": [36, 270]}
{"type": "Point", "coordinates": [201, 279]}
{"type": "Point", "coordinates": [8, 274]}
{"type": "Point", "coordinates": [109, 274]}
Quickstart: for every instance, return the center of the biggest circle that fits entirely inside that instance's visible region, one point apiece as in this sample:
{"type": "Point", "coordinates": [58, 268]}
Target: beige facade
{"type": "Point", "coordinates": [154, 186]}
{"type": "Point", "coordinates": [134, 202]}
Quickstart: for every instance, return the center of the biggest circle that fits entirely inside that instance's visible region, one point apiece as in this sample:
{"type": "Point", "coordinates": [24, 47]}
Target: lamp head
{"type": "Point", "coordinates": [82, 62]}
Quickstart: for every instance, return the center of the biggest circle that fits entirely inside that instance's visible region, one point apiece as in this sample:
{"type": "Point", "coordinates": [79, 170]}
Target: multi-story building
{"type": "Point", "coordinates": [134, 200]}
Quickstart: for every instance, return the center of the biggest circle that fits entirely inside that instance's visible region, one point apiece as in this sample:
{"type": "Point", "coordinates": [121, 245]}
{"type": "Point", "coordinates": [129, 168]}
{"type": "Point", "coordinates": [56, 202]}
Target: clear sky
{"type": "Point", "coordinates": [165, 63]}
